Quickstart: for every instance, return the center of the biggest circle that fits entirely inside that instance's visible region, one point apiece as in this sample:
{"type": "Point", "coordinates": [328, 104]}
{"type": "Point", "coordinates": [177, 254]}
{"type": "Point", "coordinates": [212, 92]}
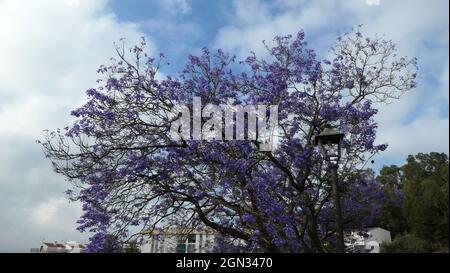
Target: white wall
{"type": "Point", "coordinates": [168, 243]}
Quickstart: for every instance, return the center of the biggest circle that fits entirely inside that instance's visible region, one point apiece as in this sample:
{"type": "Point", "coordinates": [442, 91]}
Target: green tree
{"type": "Point", "coordinates": [427, 197]}
{"type": "Point", "coordinates": [391, 216]}
{"type": "Point", "coordinates": [423, 187]}
{"type": "Point", "coordinates": [408, 243]}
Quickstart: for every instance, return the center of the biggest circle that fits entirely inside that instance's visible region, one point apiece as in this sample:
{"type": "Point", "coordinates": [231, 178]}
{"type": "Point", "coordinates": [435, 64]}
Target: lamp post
{"type": "Point", "coordinates": [330, 142]}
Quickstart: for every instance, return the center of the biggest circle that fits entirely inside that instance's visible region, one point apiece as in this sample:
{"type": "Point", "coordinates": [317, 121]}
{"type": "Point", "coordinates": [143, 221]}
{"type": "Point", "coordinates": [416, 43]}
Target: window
{"type": "Point", "coordinates": [181, 246]}
{"type": "Point", "coordinates": [186, 244]}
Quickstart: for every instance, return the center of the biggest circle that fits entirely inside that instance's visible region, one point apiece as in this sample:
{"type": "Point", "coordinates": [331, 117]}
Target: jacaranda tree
{"type": "Point", "coordinates": [127, 171]}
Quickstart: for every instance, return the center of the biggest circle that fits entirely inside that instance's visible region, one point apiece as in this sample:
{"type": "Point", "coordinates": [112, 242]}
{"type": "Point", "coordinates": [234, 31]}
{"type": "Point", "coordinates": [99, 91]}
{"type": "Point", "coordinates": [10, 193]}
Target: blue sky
{"type": "Point", "coordinates": [50, 49]}
{"type": "Point", "coordinates": [178, 28]}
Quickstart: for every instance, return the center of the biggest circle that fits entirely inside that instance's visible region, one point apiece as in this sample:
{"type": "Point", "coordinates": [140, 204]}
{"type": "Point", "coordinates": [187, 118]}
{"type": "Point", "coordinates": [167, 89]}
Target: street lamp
{"type": "Point", "coordinates": [330, 143]}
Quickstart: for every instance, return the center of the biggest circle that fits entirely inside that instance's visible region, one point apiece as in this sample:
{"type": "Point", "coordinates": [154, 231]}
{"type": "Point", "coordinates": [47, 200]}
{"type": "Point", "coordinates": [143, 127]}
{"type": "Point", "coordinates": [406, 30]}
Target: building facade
{"type": "Point", "coordinates": [56, 247]}
{"type": "Point", "coordinates": [177, 240]}
{"type": "Point", "coordinates": [368, 240]}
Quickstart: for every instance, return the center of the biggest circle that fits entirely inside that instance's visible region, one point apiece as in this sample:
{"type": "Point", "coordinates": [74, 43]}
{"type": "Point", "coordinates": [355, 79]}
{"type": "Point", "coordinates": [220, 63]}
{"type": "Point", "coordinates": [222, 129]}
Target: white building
{"type": "Point", "coordinates": [177, 240]}
{"type": "Point", "coordinates": [55, 247]}
{"type": "Point", "coordinates": [369, 240]}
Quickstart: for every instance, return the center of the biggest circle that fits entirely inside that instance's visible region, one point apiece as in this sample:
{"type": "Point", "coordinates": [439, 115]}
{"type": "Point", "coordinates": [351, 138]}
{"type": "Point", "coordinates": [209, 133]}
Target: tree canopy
{"type": "Point", "coordinates": [127, 171]}
{"type": "Point", "coordinates": [419, 213]}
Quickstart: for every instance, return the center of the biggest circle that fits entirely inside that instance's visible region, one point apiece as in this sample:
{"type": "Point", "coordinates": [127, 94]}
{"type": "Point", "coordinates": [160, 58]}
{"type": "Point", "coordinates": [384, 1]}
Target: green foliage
{"type": "Point", "coordinates": [408, 243]}
{"type": "Point", "coordinates": [391, 216]}
{"type": "Point", "coordinates": [426, 196]}
{"type": "Point", "coordinates": [424, 183]}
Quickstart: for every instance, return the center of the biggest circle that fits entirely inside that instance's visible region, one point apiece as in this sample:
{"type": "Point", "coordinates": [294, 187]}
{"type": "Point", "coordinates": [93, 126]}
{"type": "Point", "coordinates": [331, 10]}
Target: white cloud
{"type": "Point", "coordinates": [444, 83]}
{"type": "Point", "coordinates": [49, 52]}
{"type": "Point", "coordinates": [52, 44]}
{"type": "Point", "coordinates": [75, 3]}
{"type": "Point", "coordinates": [373, 2]}
{"type": "Point", "coordinates": [424, 134]}
{"type": "Point", "coordinates": [55, 212]}
{"type": "Point", "coordinates": [29, 115]}
{"type": "Point", "coordinates": [176, 6]}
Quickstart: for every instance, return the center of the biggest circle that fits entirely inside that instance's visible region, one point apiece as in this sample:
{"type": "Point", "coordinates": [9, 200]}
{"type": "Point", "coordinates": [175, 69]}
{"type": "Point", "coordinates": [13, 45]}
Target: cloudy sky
{"type": "Point", "coordinates": [50, 49]}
